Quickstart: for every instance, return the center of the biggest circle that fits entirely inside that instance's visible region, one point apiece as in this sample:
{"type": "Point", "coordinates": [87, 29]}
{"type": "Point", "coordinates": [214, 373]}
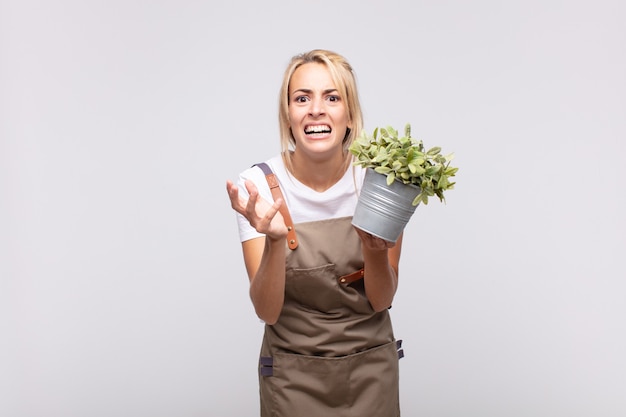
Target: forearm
{"type": "Point", "coordinates": [381, 280]}
{"type": "Point", "coordinates": [267, 288]}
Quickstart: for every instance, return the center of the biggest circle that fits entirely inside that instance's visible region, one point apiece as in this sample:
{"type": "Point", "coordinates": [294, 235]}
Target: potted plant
{"type": "Point", "coordinates": [401, 173]}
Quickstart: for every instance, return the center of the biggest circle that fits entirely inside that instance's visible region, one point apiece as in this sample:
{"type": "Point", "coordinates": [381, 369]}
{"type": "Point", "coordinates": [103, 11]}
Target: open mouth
{"type": "Point", "coordinates": [317, 129]}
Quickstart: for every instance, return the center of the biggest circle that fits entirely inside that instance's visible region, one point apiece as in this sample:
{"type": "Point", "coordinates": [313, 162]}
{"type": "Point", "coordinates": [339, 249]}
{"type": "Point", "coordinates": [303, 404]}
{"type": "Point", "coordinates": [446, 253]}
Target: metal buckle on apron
{"type": "Point", "coordinates": [399, 348]}
{"type": "Point", "coordinates": [266, 365]}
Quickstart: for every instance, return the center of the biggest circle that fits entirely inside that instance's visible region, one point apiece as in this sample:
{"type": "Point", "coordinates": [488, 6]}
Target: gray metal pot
{"type": "Point", "coordinates": [384, 210]}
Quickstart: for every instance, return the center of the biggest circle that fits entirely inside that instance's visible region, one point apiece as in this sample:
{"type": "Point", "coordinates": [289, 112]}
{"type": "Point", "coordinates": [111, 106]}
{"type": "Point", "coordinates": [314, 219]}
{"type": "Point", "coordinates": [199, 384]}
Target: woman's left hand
{"type": "Point", "coordinates": [372, 242]}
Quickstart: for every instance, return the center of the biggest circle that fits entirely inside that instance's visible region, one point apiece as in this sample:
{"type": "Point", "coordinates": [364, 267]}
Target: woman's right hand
{"type": "Point", "coordinates": [262, 215]}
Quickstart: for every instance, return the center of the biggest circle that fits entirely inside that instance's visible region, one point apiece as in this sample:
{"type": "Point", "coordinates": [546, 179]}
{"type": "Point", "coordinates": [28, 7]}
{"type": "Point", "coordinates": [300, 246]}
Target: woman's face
{"type": "Point", "coordinates": [317, 114]}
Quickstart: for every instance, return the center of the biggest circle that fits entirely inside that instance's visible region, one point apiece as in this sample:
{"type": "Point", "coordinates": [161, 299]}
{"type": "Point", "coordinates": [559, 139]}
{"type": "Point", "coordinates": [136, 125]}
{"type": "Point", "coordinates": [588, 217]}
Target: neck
{"type": "Point", "coordinates": [319, 175]}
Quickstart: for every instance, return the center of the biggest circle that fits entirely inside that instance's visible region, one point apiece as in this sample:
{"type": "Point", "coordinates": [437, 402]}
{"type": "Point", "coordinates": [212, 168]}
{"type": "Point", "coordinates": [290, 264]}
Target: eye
{"type": "Point", "coordinates": [300, 99]}
{"type": "Point", "coordinates": [333, 99]}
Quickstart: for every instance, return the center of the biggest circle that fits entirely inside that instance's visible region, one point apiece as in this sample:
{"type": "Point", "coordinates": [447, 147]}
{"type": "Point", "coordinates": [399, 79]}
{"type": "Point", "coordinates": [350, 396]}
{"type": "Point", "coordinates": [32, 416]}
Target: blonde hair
{"type": "Point", "coordinates": [345, 81]}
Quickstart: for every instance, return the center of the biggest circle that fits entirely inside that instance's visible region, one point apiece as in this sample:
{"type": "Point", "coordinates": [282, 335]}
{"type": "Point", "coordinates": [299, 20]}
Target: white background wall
{"type": "Point", "coordinates": [122, 287]}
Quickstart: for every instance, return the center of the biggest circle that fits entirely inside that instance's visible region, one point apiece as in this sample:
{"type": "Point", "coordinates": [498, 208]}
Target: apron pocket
{"type": "Point", "coordinates": [314, 288]}
{"type": "Point", "coordinates": [363, 384]}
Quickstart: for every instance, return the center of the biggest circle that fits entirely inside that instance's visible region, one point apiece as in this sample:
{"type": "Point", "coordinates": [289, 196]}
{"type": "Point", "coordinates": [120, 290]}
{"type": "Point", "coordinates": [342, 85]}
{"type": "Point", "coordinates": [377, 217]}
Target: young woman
{"type": "Point", "coordinates": [322, 287]}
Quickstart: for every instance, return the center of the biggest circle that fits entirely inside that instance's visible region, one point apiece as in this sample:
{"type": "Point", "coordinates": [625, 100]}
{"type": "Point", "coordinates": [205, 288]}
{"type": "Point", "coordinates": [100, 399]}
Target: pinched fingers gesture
{"type": "Point", "coordinates": [262, 215]}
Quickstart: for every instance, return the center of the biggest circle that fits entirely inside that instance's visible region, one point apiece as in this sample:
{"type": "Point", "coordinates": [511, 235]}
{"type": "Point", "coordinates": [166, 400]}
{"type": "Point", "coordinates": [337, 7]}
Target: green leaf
{"type": "Point", "coordinates": [450, 171]}
{"type": "Point", "coordinates": [416, 169]}
{"type": "Point", "coordinates": [431, 170]}
{"type": "Point", "coordinates": [404, 159]}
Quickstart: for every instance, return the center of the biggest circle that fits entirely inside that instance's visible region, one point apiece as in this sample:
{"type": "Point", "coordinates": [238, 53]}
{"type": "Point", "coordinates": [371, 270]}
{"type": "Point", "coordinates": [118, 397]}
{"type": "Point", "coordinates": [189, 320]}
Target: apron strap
{"type": "Point", "coordinates": [353, 277]}
{"type": "Point", "coordinates": [399, 348]}
{"type": "Point", "coordinates": [266, 366]}
{"type": "Point", "coordinates": [292, 239]}
{"type": "Point", "coordinates": [350, 278]}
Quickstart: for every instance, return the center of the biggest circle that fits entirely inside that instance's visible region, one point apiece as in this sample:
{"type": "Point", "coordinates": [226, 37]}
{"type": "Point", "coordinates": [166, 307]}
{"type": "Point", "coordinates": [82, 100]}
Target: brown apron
{"type": "Point", "coordinates": [329, 354]}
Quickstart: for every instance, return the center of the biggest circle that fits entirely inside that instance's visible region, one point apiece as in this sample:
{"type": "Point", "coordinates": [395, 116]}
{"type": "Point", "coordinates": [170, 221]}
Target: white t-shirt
{"type": "Point", "coordinates": [304, 203]}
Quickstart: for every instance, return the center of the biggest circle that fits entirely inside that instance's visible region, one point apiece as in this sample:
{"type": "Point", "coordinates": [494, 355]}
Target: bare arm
{"type": "Point", "coordinates": [265, 263]}
{"type": "Point", "coordinates": [264, 257]}
{"type": "Point", "coordinates": [381, 262]}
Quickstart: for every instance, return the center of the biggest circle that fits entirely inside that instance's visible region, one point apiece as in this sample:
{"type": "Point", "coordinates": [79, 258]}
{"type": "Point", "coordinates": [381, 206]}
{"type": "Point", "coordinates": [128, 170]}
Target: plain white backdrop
{"type": "Point", "coordinates": [122, 286]}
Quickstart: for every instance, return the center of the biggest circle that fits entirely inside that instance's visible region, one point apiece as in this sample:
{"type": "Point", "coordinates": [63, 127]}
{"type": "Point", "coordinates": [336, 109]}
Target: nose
{"type": "Point", "coordinates": [317, 107]}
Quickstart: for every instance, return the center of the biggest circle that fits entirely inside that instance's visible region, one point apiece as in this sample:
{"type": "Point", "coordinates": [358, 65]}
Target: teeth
{"type": "Point", "coordinates": [317, 129]}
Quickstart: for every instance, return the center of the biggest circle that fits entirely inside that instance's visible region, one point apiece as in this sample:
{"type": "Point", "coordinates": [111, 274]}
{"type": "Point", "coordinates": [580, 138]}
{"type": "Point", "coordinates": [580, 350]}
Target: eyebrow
{"type": "Point", "coordinates": [309, 91]}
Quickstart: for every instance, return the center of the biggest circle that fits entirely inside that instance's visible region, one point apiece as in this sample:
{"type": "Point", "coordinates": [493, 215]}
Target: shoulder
{"type": "Point", "coordinates": [275, 164]}
{"type": "Point", "coordinates": [255, 174]}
